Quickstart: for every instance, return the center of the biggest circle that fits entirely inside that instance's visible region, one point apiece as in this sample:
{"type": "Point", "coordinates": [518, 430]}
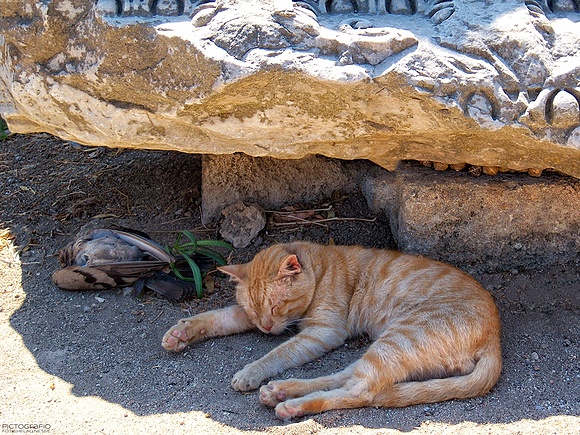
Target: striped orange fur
{"type": "Point", "coordinates": [435, 330]}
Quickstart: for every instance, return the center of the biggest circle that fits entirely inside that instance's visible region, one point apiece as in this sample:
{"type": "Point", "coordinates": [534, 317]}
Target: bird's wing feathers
{"type": "Point", "coordinates": [147, 245]}
{"type": "Point", "coordinates": [170, 286]}
{"type": "Point", "coordinates": [132, 269]}
{"type": "Point", "coordinates": [84, 278]}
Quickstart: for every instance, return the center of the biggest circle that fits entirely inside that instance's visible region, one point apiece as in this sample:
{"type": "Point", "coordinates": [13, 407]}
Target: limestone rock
{"type": "Point", "coordinates": [488, 83]}
{"type": "Point", "coordinates": [272, 183]}
{"type": "Point", "coordinates": [242, 223]}
{"type": "Point", "coordinates": [485, 223]}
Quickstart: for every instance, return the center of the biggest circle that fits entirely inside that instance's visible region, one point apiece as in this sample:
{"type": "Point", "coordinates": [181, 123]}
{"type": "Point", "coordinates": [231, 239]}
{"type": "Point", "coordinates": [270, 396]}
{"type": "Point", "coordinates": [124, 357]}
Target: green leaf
{"type": "Point", "coordinates": [196, 275]}
{"type": "Point", "coordinates": [215, 243]}
{"type": "Point", "coordinates": [179, 274]}
{"type": "Point", "coordinates": [189, 245]}
{"type": "Point", "coordinates": [194, 246]}
{"type": "Point", "coordinates": [178, 239]}
{"type": "Point", "coordinates": [190, 236]}
{"type": "Point", "coordinates": [215, 256]}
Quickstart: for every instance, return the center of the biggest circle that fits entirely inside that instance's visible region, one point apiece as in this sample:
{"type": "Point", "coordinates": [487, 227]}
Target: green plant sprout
{"type": "Point", "coordinates": [4, 132]}
{"type": "Point", "coordinates": [189, 249]}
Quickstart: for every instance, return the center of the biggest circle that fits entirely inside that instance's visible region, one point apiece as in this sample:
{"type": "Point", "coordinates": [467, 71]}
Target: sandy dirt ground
{"type": "Point", "coordinates": [92, 363]}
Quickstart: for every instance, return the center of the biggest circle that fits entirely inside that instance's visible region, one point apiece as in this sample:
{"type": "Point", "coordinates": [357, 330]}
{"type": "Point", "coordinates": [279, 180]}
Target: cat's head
{"type": "Point", "coordinates": [274, 289]}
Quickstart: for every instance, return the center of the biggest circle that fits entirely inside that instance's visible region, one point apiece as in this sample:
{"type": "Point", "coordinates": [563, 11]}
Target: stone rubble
{"type": "Point", "coordinates": [242, 223]}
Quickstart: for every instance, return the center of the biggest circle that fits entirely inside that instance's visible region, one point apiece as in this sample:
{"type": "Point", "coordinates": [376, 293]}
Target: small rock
{"type": "Point", "coordinates": [242, 223]}
{"type": "Point", "coordinates": [458, 166]}
{"type": "Point", "coordinates": [534, 356]}
{"type": "Point", "coordinates": [490, 170]}
{"type": "Point", "coordinates": [475, 171]}
{"type": "Point", "coordinates": [440, 166]}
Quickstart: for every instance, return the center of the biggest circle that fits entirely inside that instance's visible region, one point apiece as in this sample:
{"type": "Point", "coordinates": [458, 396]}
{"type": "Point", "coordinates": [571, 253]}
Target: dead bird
{"type": "Point", "coordinates": [108, 258]}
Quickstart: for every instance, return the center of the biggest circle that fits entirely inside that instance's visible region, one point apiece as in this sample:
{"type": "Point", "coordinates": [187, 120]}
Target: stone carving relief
{"type": "Point", "coordinates": [501, 65]}
{"type": "Point", "coordinates": [438, 10]}
{"type": "Point", "coordinates": [496, 76]}
{"type": "Point", "coordinates": [514, 91]}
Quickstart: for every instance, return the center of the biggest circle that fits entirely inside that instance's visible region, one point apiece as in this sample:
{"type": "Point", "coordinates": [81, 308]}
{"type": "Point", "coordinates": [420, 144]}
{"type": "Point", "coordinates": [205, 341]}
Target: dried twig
{"type": "Point", "coordinates": [127, 201]}
{"type": "Point", "coordinates": [319, 221]}
{"type": "Point", "coordinates": [292, 212]}
{"type": "Point", "coordinates": [158, 316]}
{"type": "Point", "coordinates": [172, 221]}
{"type": "Point", "coordinates": [297, 221]}
{"type": "Point", "coordinates": [293, 218]}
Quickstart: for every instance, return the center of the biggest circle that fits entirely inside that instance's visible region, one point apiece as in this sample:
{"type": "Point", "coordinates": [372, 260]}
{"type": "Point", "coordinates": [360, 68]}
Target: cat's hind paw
{"type": "Point", "coordinates": [272, 394]}
{"type": "Point", "coordinates": [285, 411]}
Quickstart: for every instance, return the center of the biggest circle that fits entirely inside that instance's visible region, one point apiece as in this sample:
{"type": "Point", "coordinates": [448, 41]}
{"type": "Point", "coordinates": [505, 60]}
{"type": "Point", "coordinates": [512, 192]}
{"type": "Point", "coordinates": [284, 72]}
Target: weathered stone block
{"type": "Point", "coordinates": [504, 222]}
{"type": "Point", "coordinates": [272, 182]}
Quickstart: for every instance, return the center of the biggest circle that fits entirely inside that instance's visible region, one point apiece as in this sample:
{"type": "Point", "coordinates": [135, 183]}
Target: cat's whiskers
{"type": "Point", "coordinates": [288, 326]}
{"type": "Point", "coordinates": [300, 321]}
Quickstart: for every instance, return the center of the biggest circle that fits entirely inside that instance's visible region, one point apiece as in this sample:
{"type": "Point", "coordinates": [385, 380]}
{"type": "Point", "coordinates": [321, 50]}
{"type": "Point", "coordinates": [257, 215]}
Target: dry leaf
{"type": "Point", "coordinates": [209, 284]}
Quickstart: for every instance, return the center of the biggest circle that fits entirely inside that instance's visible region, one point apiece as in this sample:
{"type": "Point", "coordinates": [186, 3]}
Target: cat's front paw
{"type": "Point", "coordinates": [272, 394]}
{"type": "Point", "coordinates": [247, 379]}
{"type": "Point", "coordinates": [285, 411]}
{"type": "Point", "coordinates": [183, 334]}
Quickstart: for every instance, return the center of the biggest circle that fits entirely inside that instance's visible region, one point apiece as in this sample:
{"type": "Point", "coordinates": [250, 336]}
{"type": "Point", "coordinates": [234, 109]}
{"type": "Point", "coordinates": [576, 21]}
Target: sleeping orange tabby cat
{"type": "Point", "coordinates": [435, 329]}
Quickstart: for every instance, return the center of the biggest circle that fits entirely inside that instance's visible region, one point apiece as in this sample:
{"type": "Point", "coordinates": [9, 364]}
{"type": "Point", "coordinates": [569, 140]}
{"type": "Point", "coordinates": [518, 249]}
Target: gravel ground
{"type": "Point", "coordinates": [91, 362]}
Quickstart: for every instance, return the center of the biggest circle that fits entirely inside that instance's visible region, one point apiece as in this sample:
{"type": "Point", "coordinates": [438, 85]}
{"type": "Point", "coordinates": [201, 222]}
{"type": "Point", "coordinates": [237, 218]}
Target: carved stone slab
{"type": "Point", "coordinates": [488, 83]}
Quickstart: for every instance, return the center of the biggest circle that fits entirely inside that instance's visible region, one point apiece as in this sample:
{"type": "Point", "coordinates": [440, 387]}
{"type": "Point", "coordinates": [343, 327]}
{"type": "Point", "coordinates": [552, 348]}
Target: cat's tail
{"type": "Point", "coordinates": [477, 383]}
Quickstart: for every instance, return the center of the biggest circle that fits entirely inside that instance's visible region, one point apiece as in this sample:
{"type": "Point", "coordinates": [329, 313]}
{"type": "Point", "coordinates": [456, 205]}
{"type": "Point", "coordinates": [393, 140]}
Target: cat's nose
{"type": "Point", "coordinates": [267, 327]}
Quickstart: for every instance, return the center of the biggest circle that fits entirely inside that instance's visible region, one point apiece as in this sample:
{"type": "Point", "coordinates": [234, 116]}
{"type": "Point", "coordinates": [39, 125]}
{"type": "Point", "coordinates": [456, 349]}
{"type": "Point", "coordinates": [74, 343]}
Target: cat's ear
{"type": "Point", "coordinates": [238, 272]}
{"type": "Point", "coordinates": [290, 266]}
